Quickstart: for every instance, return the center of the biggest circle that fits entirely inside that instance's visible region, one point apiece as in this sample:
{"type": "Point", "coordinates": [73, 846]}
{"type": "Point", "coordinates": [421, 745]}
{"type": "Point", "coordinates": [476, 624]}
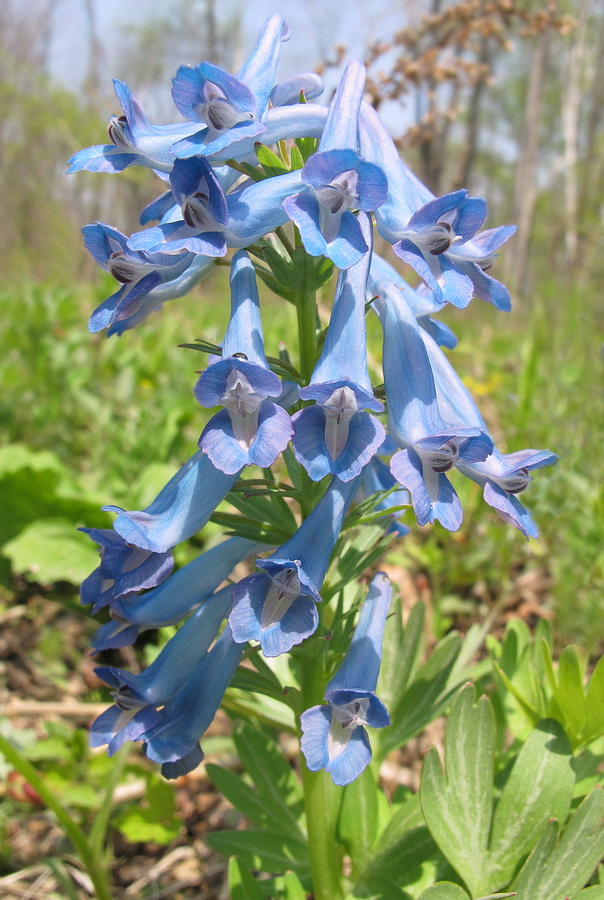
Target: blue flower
{"type": "Point", "coordinates": [278, 607]}
{"type": "Point", "coordinates": [337, 180]}
{"type": "Point", "coordinates": [147, 279]}
{"type": "Point", "coordinates": [124, 570]}
{"type": "Point", "coordinates": [138, 696]}
{"type": "Point", "coordinates": [432, 443]}
{"type": "Point", "coordinates": [201, 202]}
{"type": "Point", "coordinates": [251, 430]}
{"type": "Point", "coordinates": [171, 601]}
{"type": "Point", "coordinates": [502, 475]}
{"type": "Point", "coordinates": [180, 509]}
{"type": "Point", "coordinates": [421, 300]}
{"type": "Point", "coordinates": [336, 436]}
{"type": "Point", "coordinates": [134, 141]}
{"type": "Point", "coordinates": [174, 740]}
{"type": "Point", "coordinates": [334, 737]}
{"type": "Point", "coordinates": [427, 232]}
{"type": "Point", "coordinates": [230, 108]}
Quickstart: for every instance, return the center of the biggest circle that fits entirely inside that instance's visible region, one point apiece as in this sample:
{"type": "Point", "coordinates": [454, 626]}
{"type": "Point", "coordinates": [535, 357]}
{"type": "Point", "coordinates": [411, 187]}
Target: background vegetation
{"type": "Point", "coordinates": [504, 98]}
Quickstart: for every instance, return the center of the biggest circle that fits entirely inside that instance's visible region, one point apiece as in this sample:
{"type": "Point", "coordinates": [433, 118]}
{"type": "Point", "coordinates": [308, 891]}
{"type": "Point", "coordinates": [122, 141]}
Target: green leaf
{"type": "Point", "coordinates": [558, 871]}
{"type": "Point", "coordinates": [243, 797]}
{"type": "Point", "coordinates": [51, 550]}
{"type": "Point", "coordinates": [272, 775]}
{"type": "Point", "coordinates": [401, 649]}
{"type": "Point", "coordinates": [444, 890]}
{"type": "Point", "coordinates": [357, 823]}
{"type": "Point", "coordinates": [275, 852]}
{"type": "Point", "coordinates": [425, 698]}
{"type": "Point", "coordinates": [294, 889]}
{"type": "Point", "coordinates": [141, 825]}
{"type": "Point", "coordinates": [458, 808]}
{"type": "Point", "coordinates": [242, 884]}
{"type": "Point", "coordinates": [403, 845]}
{"type": "Point", "coordinates": [270, 162]}
{"type": "Point", "coordinates": [539, 788]}
{"type": "Point", "coordinates": [296, 158]}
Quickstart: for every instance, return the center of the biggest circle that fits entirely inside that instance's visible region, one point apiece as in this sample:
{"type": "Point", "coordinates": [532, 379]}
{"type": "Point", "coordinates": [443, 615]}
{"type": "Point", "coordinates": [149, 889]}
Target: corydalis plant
{"type": "Point", "coordinates": [288, 628]}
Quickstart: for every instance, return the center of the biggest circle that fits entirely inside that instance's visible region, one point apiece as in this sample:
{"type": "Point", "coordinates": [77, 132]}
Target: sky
{"type": "Point", "coordinates": [316, 27]}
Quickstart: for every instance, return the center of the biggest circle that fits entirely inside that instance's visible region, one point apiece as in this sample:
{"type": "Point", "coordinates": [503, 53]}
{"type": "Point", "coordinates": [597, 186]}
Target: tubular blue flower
{"type": "Point", "coordinates": [333, 736]}
{"type": "Point", "coordinates": [282, 123]}
{"type": "Point", "coordinates": [337, 180]}
{"type": "Point", "coordinates": [134, 141]}
{"type": "Point", "coordinates": [152, 301]}
{"type": "Point", "coordinates": [174, 740]}
{"type": "Point", "coordinates": [432, 444]}
{"type": "Point", "coordinates": [124, 570]}
{"type": "Point", "coordinates": [476, 256]}
{"type": "Point", "coordinates": [502, 475]}
{"type": "Point", "coordinates": [138, 696]}
{"type": "Point", "coordinates": [421, 300]}
{"type": "Point", "coordinates": [277, 606]}
{"type": "Point", "coordinates": [230, 108]}
{"type": "Point", "coordinates": [251, 430]}
{"type": "Point", "coordinates": [336, 436]}
{"type": "Point", "coordinates": [201, 202]}
{"type": "Point", "coordinates": [145, 278]}
{"type": "Point", "coordinates": [213, 221]}
{"type": "Point", "coordinates": [180, 509]}
{"type": "Point", "coordinates": [287, 93]}
{"type": "Point", "coordinates": [427, 232]}
{"type": "Point", "coordinates": [175, 598]}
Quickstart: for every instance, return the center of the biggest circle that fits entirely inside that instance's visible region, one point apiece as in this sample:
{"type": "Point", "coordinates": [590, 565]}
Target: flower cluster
{"type": "Point", "coordinates": [338, 176]}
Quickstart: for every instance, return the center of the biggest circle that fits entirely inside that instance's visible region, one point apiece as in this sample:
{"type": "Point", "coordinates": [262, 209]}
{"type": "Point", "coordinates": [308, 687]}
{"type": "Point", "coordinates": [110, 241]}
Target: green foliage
{"type": "Point", "coordinates": [531, 689]}
{"type": "Point", "coordinates": [485, 847]}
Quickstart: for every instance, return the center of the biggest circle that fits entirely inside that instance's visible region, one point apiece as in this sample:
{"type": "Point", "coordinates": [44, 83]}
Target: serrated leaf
{"type": "Point", "coordinates": [444, 890]}
{"type": "Point", "coordinates": [357, 822]}
{"type": "Point", "coordinates": [51, 550]}
{"type": "Point", "coordinates": [272, 775]}
{"type": "Point", "coordinates": [425, 698]}
{"type": "Point", "coordinates": [242, 884]}
{"type": "Point", "coordinates": [265, 851]}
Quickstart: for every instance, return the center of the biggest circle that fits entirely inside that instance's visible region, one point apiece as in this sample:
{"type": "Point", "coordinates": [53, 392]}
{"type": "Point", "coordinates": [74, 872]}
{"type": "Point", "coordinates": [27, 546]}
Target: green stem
{"type": "Point", "coordinates": [321, 802]}
{"type": "Point", "coordinates": [98, 832]}
{"type": "Point", "coordinates": [306, 308]}
{"type": "Point", "coordinates": [75, 834]}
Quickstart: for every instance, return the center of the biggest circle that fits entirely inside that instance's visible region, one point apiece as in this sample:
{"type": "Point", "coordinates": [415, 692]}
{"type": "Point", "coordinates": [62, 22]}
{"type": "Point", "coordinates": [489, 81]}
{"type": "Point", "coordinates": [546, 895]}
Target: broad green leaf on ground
{"type": "Point", "coordinates": [50, 550]}
{"type": "Point", "coordinates": [484, 849]}
{"type": "Point", "coordinates": [560, 868]}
